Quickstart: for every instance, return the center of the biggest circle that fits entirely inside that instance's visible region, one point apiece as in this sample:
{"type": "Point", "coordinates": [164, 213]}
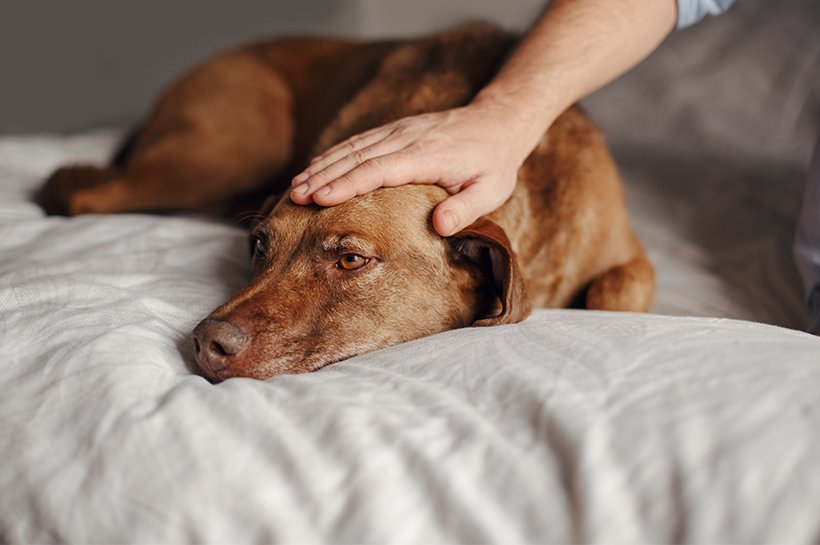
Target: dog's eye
{"type": "Point", "coordinates": [256, 246]}
{"type": "Point", "coordinates": [350, 262]}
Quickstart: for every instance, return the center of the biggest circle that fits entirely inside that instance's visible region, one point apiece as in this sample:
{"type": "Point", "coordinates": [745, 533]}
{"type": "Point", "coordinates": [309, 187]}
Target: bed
{"type": "Point", "coordinates": [698, 422]}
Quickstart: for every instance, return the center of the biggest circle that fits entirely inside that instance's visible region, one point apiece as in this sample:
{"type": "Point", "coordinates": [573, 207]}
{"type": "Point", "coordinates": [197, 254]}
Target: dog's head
{"type": "Point", "coordinates": [330, 283]}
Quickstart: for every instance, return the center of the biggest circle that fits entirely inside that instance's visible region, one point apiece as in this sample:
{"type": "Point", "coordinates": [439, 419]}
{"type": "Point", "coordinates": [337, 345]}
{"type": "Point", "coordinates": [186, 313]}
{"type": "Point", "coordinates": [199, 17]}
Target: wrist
{"type": "Point", "coordinates": [517, 123]}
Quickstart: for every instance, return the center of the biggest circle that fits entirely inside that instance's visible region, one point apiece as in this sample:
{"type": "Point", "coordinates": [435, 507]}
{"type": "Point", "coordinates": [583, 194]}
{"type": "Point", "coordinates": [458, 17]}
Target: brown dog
{"type": "Point", "coordinates": [330, 283]}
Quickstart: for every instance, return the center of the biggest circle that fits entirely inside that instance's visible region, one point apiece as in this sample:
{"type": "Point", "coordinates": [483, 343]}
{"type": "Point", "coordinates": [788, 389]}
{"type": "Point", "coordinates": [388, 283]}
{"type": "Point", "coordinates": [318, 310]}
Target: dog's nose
{"type": "Point", "coordinates": [217, 342]}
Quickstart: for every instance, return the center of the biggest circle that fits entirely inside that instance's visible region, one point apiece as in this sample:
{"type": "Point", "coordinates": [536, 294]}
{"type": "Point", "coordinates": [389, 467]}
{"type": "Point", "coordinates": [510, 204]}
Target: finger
{"type": "Point", "coordinates": [460, 210]}
{"type": "Point", "coordinates": [301, 194]}
{"type": "Point", "coordinates": [354, 140]}
{"type": "Point", "coordinates": [384, 170]}
{"type": "Point", "coordinates": [351, 161]}
{"type": "Point", "coordinates": [340, 150]}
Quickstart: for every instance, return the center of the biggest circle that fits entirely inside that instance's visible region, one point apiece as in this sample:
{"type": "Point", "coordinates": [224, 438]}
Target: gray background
{"type": "Point", "coordinates": [67, 66]}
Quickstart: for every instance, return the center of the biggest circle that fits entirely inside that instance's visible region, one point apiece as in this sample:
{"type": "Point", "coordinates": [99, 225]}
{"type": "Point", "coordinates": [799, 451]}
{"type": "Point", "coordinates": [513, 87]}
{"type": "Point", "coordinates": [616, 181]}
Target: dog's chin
{"type": "Point", "coordinates": [269, 369]}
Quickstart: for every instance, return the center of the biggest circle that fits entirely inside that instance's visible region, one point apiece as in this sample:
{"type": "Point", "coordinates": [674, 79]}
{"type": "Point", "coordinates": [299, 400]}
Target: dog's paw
{"type": "Point", "coordinates": [62, 193]}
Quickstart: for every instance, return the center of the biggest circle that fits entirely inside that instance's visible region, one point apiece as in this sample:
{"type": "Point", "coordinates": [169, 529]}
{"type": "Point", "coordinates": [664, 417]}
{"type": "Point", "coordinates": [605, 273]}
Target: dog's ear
{"type": "Point", "coordinates": [486, 245]}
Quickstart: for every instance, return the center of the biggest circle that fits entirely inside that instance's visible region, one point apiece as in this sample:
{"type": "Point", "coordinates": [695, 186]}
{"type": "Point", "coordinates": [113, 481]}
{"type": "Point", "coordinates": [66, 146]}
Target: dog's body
{"type": "Point", "coordinates": [243, 123]}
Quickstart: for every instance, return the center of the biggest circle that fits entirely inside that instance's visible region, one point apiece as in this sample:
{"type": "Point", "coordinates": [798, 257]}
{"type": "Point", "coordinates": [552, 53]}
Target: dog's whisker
{"type": "Point", "coordinates": [248, 216]}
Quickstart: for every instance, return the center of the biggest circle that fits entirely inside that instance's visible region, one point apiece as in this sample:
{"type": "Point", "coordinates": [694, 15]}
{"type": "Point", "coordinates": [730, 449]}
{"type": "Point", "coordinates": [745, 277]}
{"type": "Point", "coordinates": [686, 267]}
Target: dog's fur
{"type": "Point", "coordinates": [242, 123]}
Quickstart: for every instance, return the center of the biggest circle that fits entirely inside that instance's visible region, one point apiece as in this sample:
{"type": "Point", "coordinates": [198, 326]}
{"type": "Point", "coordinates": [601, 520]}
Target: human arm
{"type": "Point", "coordinates": [474, 152]}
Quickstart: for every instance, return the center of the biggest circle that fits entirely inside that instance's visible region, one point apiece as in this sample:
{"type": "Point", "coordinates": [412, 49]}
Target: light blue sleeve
{"type": "Point", "coordinates": [692, 11]}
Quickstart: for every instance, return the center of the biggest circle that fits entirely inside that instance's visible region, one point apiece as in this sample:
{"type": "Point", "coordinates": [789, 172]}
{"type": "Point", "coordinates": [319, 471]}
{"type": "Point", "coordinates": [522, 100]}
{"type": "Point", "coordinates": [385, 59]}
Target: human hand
{"type": "Point", "coordinates": [473, 152]}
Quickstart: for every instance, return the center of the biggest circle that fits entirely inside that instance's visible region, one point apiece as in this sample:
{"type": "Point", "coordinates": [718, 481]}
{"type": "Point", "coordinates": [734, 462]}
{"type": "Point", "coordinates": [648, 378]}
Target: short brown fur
{"type": "Point", "coordinates": [240, 125]}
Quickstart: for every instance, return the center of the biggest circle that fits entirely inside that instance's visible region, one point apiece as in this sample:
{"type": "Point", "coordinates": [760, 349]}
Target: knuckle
{"type": "Point", "coordinates": [378, 165]}
{"type": "Point", "coordinates": [369, 173]}
{"type": "Point", "coordinates": [355, 143]}
{"type": "Point", "coordinates": [318, 179]}
{"type": "Point", "coordinates": [422, 147]}
{"type": "Point", "coordinates": [346, 183]}
{"type": "Point", "coordinates": [357, 156]}
{"type": "Point", "coordinates": [350, 146]}
{"type": "Point", "coordinates": [401, 129]}
{"type": "Point", "coordinates": [373, 164]}
{"type": "Point", "coordinates": [312, 176]}
{"type": "Point", "coordinates": [436, 140]}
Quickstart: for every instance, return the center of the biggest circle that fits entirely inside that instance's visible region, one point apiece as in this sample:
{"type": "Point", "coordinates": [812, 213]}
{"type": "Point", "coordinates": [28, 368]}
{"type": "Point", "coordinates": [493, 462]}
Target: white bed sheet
{"type": "Point", "coordinates": [572, 426]}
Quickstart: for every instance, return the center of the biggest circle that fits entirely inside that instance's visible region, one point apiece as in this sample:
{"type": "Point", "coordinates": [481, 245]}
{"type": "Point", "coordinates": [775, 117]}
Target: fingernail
{"type": "Point", "coordinates": [301, 189]}
{"type": "Point", "coordinates": [301, 177]}
{"type": "Point", "coordinates": [448, 222]}
{"type": "Point", "coordinates": [324, 191]}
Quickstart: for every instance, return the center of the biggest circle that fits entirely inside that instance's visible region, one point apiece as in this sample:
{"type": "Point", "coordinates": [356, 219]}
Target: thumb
{"type": "Point", "coordinates": [460, 210]}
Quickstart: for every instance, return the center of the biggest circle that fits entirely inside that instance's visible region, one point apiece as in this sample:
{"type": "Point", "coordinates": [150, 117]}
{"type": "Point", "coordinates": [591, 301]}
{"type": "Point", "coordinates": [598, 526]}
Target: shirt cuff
{"type": "Point", "coordinates": [692, 11]}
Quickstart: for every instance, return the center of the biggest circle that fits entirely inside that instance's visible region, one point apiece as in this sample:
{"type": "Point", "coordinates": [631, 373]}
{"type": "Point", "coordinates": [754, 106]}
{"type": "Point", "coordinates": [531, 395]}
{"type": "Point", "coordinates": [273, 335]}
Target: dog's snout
{"type": "Point", "coordinates": [217, 343]}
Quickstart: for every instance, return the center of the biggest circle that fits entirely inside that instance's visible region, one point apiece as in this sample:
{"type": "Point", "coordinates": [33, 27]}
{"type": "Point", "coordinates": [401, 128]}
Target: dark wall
{"type": "Point", "coordinates": [80, 63]}
{"type": "Point", "coordinates": [73, 64]}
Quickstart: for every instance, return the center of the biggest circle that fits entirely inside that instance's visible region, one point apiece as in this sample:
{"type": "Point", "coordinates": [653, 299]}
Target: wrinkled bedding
{"type": "Point", "coordinates": [572, 426]}
{"type": "Point", "coordinates": [696, 423]}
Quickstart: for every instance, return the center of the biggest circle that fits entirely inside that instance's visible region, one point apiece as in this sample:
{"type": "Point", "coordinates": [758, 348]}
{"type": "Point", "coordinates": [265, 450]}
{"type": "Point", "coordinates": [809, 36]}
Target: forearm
{"type": "Point", "coordinates": [575, 47]}
{"type": "Point", "coordinates": [475, 152]}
